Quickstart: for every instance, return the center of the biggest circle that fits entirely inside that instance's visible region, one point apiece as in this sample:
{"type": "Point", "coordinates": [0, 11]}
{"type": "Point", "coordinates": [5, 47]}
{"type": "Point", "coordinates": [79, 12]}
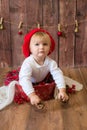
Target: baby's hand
{"type": "Point", "coordinates": [63, 96]}
{"type": "Point", "coordinates": [34, 99]}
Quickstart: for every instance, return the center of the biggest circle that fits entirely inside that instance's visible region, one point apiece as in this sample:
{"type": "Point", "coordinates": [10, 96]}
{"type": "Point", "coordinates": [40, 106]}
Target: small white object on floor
{"type": "Point", "coordinates": [70, 82]}
{"type": "Point", "coordinates": [7, 94]}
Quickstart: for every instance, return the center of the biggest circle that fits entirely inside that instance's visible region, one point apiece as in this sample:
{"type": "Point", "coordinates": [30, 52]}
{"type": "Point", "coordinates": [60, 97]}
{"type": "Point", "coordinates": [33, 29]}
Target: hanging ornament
{"type": "Point", "coordinates": [1, 23]}
{"type": "Point", "coordinates": [76, 26]}
{"type": "Point", "coordinates": [59, 30]}
{"type": "Point", "coordinates": [20, 28]}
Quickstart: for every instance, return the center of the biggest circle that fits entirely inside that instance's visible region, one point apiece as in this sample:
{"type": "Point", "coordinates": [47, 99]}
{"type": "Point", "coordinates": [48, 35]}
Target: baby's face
{"type": "Point", "coordinates": [40, 46]}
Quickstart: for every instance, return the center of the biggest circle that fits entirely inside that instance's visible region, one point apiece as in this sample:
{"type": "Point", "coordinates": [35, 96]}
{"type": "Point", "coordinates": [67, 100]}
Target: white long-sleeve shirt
{"type": "Point", "coordinates": [32, 72]}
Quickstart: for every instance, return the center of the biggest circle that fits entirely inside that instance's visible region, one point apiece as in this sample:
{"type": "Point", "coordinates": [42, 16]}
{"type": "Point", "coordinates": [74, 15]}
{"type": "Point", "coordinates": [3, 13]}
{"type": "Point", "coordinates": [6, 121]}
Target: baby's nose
{"type": "Point", "coordinates": [41, 46]}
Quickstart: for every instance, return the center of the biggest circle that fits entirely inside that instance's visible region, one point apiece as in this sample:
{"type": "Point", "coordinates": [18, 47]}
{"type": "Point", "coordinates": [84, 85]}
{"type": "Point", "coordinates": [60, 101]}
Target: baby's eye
{"type": "Point", "coordinates": [36, 44]}
{"type": "Point", "coordinates": [45, 44]}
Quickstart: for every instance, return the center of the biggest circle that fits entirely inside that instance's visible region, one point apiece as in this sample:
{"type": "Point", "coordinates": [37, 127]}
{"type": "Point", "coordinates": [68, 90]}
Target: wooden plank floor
{"type": "Point", "coordinates": [56, 115]}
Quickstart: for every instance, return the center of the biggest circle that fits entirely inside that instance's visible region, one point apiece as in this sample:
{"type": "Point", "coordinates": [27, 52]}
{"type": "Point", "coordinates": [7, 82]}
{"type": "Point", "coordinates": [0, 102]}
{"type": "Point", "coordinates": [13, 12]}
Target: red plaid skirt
{"type": "Point", "coordinates": [44, 89]}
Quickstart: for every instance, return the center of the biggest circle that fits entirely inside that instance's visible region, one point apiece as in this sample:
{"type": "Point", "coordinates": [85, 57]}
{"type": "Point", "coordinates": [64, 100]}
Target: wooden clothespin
{"type": "Point", "coordinates": [76, 26]}
{"type": "Point", "coordinates": [59, 27]}
{"type": "Point", "coordinates": [38, 25]}
{"type": "Point", "coordinates": [20, 28]}
{"type": "Point", "coordinates": [59, 30]}
{"type": "Point", "coordinates": [1, 23]}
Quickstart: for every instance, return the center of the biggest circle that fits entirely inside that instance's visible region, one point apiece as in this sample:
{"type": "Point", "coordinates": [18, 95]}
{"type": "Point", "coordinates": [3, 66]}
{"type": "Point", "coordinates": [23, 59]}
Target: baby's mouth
{"type": "Point", "coordinates": [41, 52]}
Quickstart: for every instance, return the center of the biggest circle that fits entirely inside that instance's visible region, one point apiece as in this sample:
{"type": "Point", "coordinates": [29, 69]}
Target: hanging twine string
{"type": "Point", "coordinates": [26, 26]}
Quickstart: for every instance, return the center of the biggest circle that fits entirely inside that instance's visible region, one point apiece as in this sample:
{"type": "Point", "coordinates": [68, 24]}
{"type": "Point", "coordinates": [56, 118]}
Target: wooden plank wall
{"type": "Point", "coordinates": [70, 51]}
{"type": "Point", "coordinates": [5, 46]}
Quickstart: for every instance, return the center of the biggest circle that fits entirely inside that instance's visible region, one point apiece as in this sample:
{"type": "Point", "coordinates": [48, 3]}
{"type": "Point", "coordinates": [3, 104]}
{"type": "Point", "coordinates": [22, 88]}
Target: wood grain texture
{"type": "Point", "coordinates": [81, 39]}
{"type": "Point", "coordinates": [5, 44]}
{"type": "Point", "coordinates": [55, 115]}
{"type": "Point", "coordinates": [17, 15]}
{"type": "Point", "coordinates": [66, 44]}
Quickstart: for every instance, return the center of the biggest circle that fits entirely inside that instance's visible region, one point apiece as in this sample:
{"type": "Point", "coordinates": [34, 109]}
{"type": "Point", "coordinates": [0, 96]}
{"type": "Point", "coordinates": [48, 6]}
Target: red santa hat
{"type": "Point", "coordinates": [26, 50]}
